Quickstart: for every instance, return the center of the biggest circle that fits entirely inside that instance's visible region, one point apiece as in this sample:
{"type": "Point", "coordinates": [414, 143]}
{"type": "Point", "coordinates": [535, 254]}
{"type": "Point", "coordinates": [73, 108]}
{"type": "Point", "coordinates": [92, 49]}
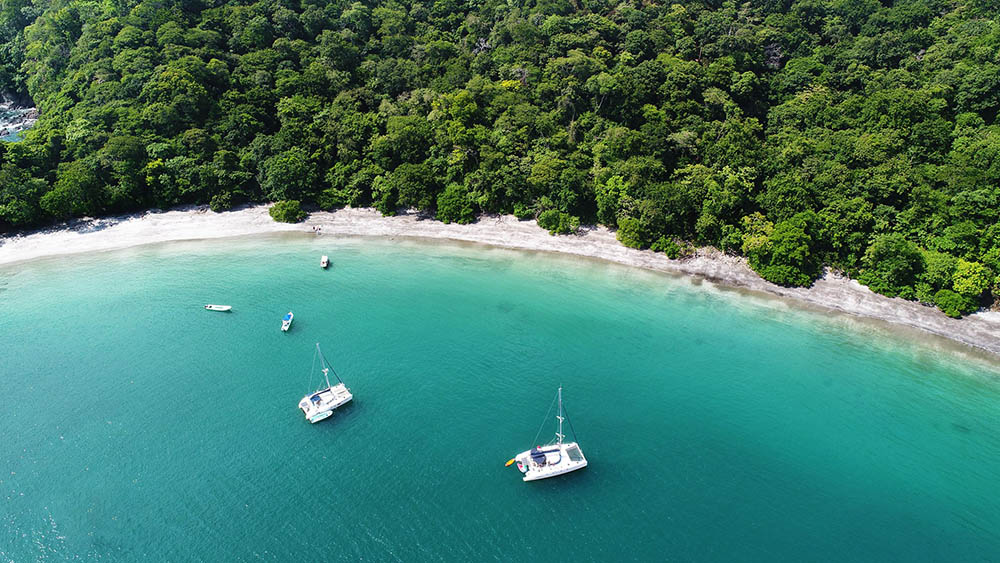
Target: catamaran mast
{"type": "Point", "coordinates": [326, 368]}
{"type": "Point", "coordinates": [559, 434]}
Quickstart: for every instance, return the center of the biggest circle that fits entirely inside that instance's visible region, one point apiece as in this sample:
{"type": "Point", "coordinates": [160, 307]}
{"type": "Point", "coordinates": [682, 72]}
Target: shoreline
{"type": "Point", "coordinates": [831, 292]}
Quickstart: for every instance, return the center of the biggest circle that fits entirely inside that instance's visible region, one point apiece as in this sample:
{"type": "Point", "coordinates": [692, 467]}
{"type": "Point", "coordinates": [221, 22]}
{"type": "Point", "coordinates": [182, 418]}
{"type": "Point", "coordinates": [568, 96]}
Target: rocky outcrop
{"type": "Point", "coordinates": [14, 119]}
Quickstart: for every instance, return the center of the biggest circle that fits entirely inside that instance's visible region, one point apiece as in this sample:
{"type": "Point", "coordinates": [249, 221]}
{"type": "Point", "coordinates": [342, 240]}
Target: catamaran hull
{"type": "Point", "coordinates": [556, 473]}
{"type": "Point", "coordinates": [323, 415]}
{"type": "Point", "coordinates": [320, 416]}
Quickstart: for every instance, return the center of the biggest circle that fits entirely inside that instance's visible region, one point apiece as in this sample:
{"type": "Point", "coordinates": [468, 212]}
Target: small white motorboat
{"type": "Point", "coordinates": [219, 307]}
{"type": "Point", "coordinates": [286, 321]}
{"type": "Point", "coordinates": [555, 458]}
{"type": "Point", "coordinates": [324, 262]}
{"type": "Point", "coordinates": [320, 404]}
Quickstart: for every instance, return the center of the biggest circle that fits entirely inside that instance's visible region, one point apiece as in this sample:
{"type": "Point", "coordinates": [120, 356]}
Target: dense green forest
{"type": "Point", "coordinates": [856, 134]}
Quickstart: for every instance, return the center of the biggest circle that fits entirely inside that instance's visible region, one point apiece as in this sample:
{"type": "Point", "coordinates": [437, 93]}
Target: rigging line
{"type": "Point", "coordinates": [571, 429]}
{"type": "Point", "coordinates": [327, 364]}
{"type": "Point", "coordinates": [539, 433]}
{"type": "Point", "coordinates": [312, 370]}
{"type": "Point", "coordinates": [335, 374]}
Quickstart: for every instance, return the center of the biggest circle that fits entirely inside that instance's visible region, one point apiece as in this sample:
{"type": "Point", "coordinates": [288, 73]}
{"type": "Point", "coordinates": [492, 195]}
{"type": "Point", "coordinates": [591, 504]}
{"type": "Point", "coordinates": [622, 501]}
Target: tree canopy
{"type": "Point", "coordinates": [855, 134]}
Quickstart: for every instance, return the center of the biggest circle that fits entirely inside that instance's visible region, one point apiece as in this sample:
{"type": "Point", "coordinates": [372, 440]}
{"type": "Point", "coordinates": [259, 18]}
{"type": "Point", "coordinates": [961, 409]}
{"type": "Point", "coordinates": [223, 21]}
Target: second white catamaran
{"type": "Point", "coordinates": [321, 403]}
{"type": "Point", "coordinates": [555, 458]}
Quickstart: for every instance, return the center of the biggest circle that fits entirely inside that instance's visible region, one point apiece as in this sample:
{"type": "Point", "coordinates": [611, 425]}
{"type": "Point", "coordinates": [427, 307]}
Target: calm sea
{"type": "Point", "coordinates": [135, 425]}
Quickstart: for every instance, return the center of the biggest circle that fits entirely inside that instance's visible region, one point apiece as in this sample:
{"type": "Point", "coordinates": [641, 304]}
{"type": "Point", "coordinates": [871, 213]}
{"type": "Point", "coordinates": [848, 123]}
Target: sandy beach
{"type": "Point", "coordinates": [832, 292]}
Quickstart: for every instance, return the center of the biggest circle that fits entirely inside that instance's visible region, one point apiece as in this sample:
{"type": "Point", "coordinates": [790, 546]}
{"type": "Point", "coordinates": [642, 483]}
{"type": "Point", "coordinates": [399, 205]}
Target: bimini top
{"type": "Point", "coordinates": [538, 454]}
{"type": "Point", "coordinates": [286, 317]}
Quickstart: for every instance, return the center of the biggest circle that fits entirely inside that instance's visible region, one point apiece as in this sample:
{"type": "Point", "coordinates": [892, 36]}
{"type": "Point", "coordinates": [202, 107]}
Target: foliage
{"type": "Point", "coordinates": [970, 279]}
{"type": "Point", "coordinates": [221, 202]}
{"type": "Point", "coordinates": [454, 204]}
{"type": "Point", "coordinates": [953, 304]}
{"type": "Point", "coordinates": [630, 232]}
{"type": "Point", "coordinates": [558, 223]}
{"type": "Point", "coordinates": [287, 174]}
{"type": "Point", "coordinates": [939, 269]}
{"type": "Point", "coordinates": [523, 212]}
{"type": "Point", "coordinates": [891, 265]}
{"type": "Point", "coordinates": [287, 211]}
{"type": "Point", "coordinates": [786, 256]}
{"type": "Point", "coordinates": [862, 135]}
{"type": "Point", "coordinates": [666, 246]}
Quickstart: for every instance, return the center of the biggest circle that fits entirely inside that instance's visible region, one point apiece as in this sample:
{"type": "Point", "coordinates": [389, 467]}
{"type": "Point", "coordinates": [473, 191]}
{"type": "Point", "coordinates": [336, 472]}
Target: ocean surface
{"type": "Point", "coordinates": [719, 426]}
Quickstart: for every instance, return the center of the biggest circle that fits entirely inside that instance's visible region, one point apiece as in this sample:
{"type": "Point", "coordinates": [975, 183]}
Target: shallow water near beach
{"type": "Point", "coordinates": [136, 425]}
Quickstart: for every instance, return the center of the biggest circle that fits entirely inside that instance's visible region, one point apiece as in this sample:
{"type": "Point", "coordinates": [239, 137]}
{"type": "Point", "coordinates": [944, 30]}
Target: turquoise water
{"type": "Point", "coordinates": [13, 137]}
{"type": "Point", "coordinates": [10, 116]}
{"type": "Point", "coordinates": [719, 427]}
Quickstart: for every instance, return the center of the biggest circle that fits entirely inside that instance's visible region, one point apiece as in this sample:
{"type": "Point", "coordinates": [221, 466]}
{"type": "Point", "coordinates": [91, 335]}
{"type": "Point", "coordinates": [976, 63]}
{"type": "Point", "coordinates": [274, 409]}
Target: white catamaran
{"type": "Point", "coordinates": [555, 458]}
{"type": "Point", "coordinates": [321, 403]}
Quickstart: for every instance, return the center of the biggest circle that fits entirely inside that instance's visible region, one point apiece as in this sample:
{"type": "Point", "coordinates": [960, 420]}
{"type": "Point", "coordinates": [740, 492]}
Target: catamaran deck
{"type": "Point", "coordinates": [334, 396]}
{"type": "Point", "coordinates": [323, 402]}
{"type": "Point", "coordinates": [549, 461]}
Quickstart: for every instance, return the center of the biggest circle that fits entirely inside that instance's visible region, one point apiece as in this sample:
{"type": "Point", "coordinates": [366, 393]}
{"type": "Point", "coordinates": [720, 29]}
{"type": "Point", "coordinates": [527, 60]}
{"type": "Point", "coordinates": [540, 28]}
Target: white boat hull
{"type": "Point", "coordinates": [287, 323]}
{"type": "Point", "coordinates": [324, 262]}
{"type": "Point", "coordinates": [321, 404]}
{"type": "Point", "coordinates": [320, 416]}
{"type": "Point", "coordinates": [559, 459]}
{"type": "Point", "coordinates": [219, 307]}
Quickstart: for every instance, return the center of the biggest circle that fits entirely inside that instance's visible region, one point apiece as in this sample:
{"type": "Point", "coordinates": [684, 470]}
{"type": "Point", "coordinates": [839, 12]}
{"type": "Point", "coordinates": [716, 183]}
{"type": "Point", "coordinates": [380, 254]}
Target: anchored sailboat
{"type": "Point", "coordinates": [321, 403]}
{"type": "Point", "coordinates": [555, 458]}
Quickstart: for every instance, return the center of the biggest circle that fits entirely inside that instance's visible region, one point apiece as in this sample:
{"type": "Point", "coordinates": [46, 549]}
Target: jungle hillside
{"type": "Point", "coordinates": [854, 134]}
